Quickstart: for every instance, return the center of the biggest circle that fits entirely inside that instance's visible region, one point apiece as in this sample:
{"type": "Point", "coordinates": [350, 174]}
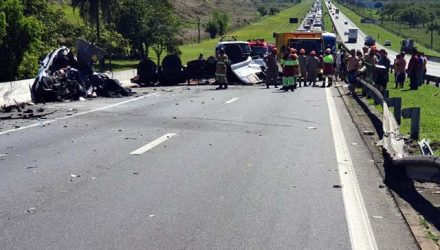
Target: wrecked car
{"type": "Point", "coordinates": [62, 76]}
{"type": "Point", "coordinates": [244, 68]}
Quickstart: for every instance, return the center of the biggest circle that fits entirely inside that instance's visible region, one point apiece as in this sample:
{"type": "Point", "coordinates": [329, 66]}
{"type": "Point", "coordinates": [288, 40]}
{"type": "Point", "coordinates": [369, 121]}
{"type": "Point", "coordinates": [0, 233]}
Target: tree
{"type": "Point", "coordinates": [164, 29]}
{"type": "Point", "coordinates": [273, 11]}
{"type": "Point", "coordinates": [262, 10]}
{"type": "Point", "coordinates": [212, 28]}
{"type": "Point", "coordinates": [2, 26]}
{"type": "Point", "coordinates": [92, 10]}
{"type": "Point", "coordinates": [222, 20]}
{"type": "Point", "coordinates": [19, 41]}
{"type": "Point", "coordinates": [432, 27]}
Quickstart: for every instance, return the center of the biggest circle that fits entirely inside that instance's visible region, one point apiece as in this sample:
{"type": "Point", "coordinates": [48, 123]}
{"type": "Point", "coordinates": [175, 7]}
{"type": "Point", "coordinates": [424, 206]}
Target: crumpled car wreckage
{"type": "Point", "coordinates": [62, 76]}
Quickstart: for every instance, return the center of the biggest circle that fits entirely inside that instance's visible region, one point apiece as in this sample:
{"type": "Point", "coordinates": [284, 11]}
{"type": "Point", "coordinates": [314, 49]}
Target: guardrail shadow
{"type": "Point", "coordinates": [377, 122]}
{"type": "Point", "coordinates": [396, 180]}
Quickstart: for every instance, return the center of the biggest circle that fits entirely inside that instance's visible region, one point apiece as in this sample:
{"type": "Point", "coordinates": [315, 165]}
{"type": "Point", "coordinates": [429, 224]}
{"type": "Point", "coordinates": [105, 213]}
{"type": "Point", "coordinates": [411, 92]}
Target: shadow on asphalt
{"type": "Point", "coordinates": [377, 123]}
{"type": "Point", "coordinates": [397, 181]}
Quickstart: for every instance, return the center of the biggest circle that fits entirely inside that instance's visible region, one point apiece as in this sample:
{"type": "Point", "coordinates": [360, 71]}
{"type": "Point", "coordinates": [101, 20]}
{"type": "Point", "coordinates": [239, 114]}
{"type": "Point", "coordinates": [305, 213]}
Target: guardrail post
{"type": "Point", "coordinates": [414, 114]}
{"type": "Point", "coordinates": [396, 103]}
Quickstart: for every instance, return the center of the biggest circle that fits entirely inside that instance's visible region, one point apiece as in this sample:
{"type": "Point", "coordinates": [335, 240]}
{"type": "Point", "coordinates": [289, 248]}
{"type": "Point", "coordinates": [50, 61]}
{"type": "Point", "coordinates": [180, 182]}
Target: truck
{"type": "Point", "coordinates": [299, 40]}
{"type": "Point", "coordinates": [352, 35]}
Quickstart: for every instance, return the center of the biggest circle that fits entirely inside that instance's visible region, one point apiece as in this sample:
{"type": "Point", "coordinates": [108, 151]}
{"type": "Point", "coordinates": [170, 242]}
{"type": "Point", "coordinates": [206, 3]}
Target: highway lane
{"type": "Point", "coordinates": [433, 68]}
{"type": "Point", "coordinates": [248, 167]}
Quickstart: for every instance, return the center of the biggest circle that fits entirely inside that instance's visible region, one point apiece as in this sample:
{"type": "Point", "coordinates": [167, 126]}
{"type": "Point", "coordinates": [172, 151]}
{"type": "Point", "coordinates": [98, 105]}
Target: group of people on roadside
{"type": "Point", "coordinates": [298, 70]}
{"type": "Point", "coordinates": [375, 66]}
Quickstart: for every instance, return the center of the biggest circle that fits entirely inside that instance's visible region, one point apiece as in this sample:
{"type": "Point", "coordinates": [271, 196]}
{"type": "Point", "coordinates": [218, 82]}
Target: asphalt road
{"type": "Point", "coordinates": [433, 68]}
{"type": "Point", "coordinates": [243, 168]}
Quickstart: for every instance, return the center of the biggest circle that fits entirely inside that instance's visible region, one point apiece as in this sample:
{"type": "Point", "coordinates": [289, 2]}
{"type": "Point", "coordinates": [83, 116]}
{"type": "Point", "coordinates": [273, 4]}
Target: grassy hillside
{"type": "Point", "coordinates": [381, 34]}
{"type": "Point", "coordinates": [261, 29]}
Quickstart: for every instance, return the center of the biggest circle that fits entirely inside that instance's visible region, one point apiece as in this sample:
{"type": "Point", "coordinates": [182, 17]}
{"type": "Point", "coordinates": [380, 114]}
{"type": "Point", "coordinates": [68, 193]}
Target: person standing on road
{"type": "Point", "coordinates": [312, 68]}
{"type": "Point", "coordinates": [399, 68]}
{"type": "Point", "coordinates": [272, 68]}
{"type": "Point", "coordinates": [328, 68]}
{"type": "Point", "coordinates": [412, 71]}
{"type": "Point", "coordinates": [302, 59]}
{"type": "Point", "coordinates": [420, 68]}
{"type": "Point", "coordinates": [222, 69]}
{"type": "Point", "coordinates": [352, 68]}
{"type": "Point", "coordinates": [288, 71]}
{"type": "Point", "coordinates": [382, 68]}
{"type": "Point", "coordinates": [425, 69]}
{"type": "Point", "coordinates": [369, 62]}
{"type": "Point", "coordinates": [365, 50]}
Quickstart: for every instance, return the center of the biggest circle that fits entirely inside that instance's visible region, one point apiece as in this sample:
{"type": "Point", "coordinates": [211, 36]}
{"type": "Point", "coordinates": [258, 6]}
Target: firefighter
{"type": "Point", "coordinates": [312, 68]}
{"type": "Point", "coordinates": [303, 67]}
{"type": "Point", "coordinates": [222, 69]}
{"type": "Point", "coordinates": [272, 68]}
{"type": "Point", "coordinates": [328, 68]}
{"type": "Point", "coordinates": [290, 65]}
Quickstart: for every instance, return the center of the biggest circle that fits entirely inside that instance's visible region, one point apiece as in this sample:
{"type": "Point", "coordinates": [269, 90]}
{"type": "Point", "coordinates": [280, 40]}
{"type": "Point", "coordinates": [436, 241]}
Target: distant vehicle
{"type": "Point", "coordinates": [337, 17]}
{"type": "Point", "coordinates": [367, 20]}
{"type": "Point", "coordinates": [316, 24]}
{"type": "Point", "coordinates": [345, 22]}
{"type": "Point", "coordinates": [369, 41]}
{"type": "Point", "coordinates": [407, 45]}
{"type": "Point", "coordinates": [337, 11]}
{"type": "Point", "coordinates": [329, 40]}
{"type": "Point", "coordinates": [259, 47]}
{"type": "Point", "coordinates": [387, 43]}
{"type": "Point", "coordinates": [300, 40]}
{"type": "Point", "coordinates": [352, 35]}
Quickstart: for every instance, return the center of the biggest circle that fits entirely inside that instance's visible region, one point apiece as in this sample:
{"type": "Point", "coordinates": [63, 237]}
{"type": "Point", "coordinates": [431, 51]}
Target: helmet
{"type": "Point", "coordinates": [302, 51]}
{"type": "Point", "coordinates": [221, 50]}
{"type": "Point", "coordinates": [328, 51]}
{"type": "Point", "coordinates": [313, 53]}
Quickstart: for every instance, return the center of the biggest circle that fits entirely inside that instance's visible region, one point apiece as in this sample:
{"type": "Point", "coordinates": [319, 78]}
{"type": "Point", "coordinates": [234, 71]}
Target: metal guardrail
{"type": "Point", "coordinates": [420, 168]}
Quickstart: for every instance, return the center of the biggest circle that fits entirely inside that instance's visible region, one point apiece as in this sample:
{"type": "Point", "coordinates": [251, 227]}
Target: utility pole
{"type": "Point", "coordinates": [198, 29]}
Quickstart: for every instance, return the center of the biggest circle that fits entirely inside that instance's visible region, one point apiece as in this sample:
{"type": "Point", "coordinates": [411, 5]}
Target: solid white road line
{"type": "Point", "coordinates": [77, 114]}
{"type": "Point", "coordinates": [232, 100]}
{"type": "Point", "coordinates": [153, 144]}
{"type": "Point", "coordinates": [361, 233]}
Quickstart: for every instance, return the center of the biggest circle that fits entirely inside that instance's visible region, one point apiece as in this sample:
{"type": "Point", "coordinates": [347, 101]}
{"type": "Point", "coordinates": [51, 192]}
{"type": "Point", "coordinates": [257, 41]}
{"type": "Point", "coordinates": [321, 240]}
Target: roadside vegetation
{"type": "Point", "coordinates": [126, 29]}
{"type": "Point", "coordinates": [328, 24]}
{"type": "Point", "coordinates": [398, 25]}
{"type": "Point", "coordinates": [263, 29]}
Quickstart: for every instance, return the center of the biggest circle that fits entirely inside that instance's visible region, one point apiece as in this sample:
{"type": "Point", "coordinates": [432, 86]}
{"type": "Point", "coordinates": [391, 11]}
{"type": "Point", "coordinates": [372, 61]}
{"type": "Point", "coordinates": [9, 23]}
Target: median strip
{"type": "Point", "coordinates": [153, 144]}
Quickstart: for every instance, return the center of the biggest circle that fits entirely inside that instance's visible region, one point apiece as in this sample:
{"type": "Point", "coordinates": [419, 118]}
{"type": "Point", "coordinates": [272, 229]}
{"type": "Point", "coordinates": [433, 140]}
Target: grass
{"type": "Point", "coordinates": [427, 98]}
{"type": "Point", "coordinates": [328, 24]}
{"type": "Point", "coordinates": [379, 33]}
{"type": "Point", "coordinates": [120, 65]}
{"type": "Point", "coordinates": [429, 234]}
{"type": "Point", "coordinates": [261, 29]}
